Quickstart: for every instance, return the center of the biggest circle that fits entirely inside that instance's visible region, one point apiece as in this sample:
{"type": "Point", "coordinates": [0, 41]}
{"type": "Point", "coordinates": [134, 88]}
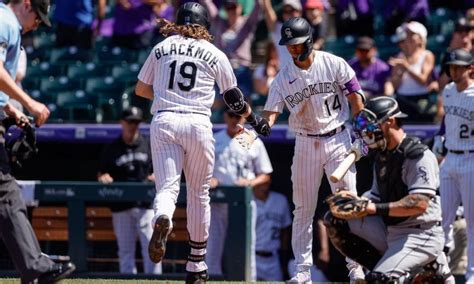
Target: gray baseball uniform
{"type": "Point", "coordinates": [316, 99]}
{"type": "Point", "coordinates": [183, 72]}
{"type": "Point", "coordinates": [407, 243]}
{"type": "Point", "coordinates": [457, 169]}
{"type": "Point", "coordinates": [232, 163]}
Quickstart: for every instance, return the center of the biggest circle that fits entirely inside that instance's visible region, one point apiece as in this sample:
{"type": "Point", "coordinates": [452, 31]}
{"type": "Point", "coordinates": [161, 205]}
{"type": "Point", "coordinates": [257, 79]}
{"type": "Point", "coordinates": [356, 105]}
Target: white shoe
{"type": "Point", "coordinates": [301, 277]}
{"type": "Point", "coordinates": [356, 272]}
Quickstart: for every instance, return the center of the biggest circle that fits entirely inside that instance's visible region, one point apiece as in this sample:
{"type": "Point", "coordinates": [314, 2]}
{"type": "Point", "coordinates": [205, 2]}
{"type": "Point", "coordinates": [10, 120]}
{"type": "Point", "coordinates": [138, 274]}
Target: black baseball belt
{"type": "Point", "coordinates": [327, 134]}
{"type": "Point", "coordinates": [264, 253]}
{"type": "Point", "coordinates": [460, 152]}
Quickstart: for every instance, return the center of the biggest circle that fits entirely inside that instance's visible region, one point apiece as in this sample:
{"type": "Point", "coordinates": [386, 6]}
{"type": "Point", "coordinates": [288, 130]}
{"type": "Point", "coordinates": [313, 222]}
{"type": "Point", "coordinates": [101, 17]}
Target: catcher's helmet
{"type": "Point", "coordinates": [192, 13]}
{"type": "Point", "coordinates": [367, 122]}
{"type": "Point", "coordinates": [297, 31]}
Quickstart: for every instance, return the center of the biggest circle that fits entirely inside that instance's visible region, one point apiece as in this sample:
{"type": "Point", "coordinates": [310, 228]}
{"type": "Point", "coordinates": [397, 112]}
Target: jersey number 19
{"type": "Point", "coordinates": [188, 71]}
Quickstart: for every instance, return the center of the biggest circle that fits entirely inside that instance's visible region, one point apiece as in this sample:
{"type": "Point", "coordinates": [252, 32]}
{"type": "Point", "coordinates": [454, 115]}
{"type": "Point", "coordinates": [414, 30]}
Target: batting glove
{"type": "Point", "coordinates": [438, 146]}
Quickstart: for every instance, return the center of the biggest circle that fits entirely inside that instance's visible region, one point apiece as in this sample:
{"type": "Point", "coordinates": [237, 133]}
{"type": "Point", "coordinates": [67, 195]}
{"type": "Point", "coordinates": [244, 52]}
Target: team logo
{"type": "Point", "coordinates": [288, 33]}
{"type": "Point", "coordinates": [452, 56]}
{"type": "Point", "coordinates": [423, 174]}
{"type": "Point", "coordinates": [187, 19]}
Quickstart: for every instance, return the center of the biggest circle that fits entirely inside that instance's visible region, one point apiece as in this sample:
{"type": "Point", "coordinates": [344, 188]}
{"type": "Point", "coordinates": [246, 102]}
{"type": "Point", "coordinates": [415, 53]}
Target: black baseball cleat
{"type": "Point", "coordinates": [58, 272]}
{"type": "Point", "coordinates": [197, 277]}
{"type": "Point", "coordinates": [157, 245]}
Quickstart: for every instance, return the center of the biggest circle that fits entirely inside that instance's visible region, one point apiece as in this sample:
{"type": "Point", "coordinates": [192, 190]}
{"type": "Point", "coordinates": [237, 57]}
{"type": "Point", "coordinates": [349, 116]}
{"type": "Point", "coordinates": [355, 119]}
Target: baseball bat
{"type": "Point", "coordinates": [343, 167]}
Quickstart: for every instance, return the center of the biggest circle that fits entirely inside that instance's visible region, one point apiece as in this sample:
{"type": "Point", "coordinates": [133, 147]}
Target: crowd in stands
{"type": "Point", "coordinates": [87, 69]}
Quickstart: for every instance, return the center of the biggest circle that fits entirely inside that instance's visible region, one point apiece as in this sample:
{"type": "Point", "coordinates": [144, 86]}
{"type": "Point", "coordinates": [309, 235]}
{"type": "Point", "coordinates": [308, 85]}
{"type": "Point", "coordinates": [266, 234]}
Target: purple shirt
{"type": "Point", "coordinates": [136, 20]}
{"type": "Point", "coordinates": [362, 7]}
{"type": "Point", "coordinates": [372, 79]}
{"type": "Point", "coordinates": [411, 9]}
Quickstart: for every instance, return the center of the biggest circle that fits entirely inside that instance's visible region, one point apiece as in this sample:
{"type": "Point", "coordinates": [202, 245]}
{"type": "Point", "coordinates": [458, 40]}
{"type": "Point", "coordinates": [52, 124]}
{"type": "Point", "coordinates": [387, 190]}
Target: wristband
{"type": "Point", "coordinates": [382, 209]}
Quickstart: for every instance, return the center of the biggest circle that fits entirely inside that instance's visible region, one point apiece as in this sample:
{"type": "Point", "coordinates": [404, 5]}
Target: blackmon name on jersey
{"type": "Point", "coordinates": [311, 90]}
{"type": "Point", "coordinates": [187, 50]}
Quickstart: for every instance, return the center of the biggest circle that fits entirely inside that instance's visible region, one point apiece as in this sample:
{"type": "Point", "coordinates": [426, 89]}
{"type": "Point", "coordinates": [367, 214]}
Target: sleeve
{"type": "Point", "coordinates": [346, 77]}
{"type": "Point", "coordinates": [261, 161]}
{"type": "Point", "coordinates": [421, 175]}
{"type": "Point", "coordinates": [225, 77]}
{"type": "Point", "coordinates": [22, 62]}
{"type": "Point", "coordinates": [147, 73]}
{"type": "Point", "coordinates": [3, 44]}
{"type": "Point", "coordinates": [286, 221]}
{"type": "Point", "coordinates": [274, 101]}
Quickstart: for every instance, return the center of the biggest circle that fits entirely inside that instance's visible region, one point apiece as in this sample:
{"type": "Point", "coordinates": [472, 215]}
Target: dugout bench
{"type": "Point", "coordinates": [79, 222]}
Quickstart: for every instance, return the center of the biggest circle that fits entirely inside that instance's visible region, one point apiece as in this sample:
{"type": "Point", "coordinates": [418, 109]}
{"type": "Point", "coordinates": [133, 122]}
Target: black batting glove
{"type": "Point", "coordinates": [260, 124]}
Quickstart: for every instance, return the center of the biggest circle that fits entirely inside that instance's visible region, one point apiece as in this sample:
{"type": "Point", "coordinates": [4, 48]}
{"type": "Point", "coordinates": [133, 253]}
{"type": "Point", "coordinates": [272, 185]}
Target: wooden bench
{"type": "Point", "coordinates": [51, 224]}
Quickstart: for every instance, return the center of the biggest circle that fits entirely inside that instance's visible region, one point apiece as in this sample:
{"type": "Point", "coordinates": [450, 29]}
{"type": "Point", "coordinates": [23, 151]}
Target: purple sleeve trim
{"type": "Point", "coordinates": [353, 85]}
{"type": "Point", "coordinates": [442, 128]}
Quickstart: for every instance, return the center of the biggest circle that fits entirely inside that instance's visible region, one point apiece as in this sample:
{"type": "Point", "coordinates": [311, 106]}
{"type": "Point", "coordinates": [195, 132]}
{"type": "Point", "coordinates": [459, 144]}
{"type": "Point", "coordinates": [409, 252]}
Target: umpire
{"type": "Point", "coordinates": [19, 17]}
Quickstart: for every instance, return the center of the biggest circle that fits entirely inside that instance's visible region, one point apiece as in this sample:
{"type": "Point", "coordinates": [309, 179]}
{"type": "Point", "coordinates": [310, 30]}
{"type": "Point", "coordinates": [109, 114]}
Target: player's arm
{"type": "Point", "coordinates": [9, 87]}
{"type": "Point", "coordinates": [144, 90]}
{"type": "Point", "coordinates": [234, 99]}
{"type": "Point", "coordinates": [410, 205]}
{"type": "Point", "coordinates": [356, 100]}
{"type": "Point", "coordinates": [270, 15]}
{"type": "Point", "coordinates": [270, 116]}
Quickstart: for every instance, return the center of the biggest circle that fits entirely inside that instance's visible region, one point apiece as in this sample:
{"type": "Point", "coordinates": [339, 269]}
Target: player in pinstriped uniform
{"type": "Point", "coordinates": [234, 166]}
{"type": "Point", "coordinates": [179, 76]}
{"type": "Point", "coordinates": [457, 169]}
{"type": "Point", "coordinates": [317, 88]}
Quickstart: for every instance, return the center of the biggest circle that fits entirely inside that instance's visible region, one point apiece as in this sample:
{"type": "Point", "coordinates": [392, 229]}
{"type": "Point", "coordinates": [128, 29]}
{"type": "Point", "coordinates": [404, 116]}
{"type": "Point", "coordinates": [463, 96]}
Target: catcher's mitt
{"type": "Point", "coordinates": [347, 205]}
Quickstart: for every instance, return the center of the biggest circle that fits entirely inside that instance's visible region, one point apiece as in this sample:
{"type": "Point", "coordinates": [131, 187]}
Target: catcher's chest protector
{"type": "Point", "coordinates": [388, 169]}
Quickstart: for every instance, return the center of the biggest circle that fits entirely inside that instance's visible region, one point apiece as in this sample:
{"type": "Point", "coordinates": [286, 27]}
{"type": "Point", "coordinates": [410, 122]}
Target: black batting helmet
{"type": "Point", "coordinates": [192, 13]}
{"type": "Point", "coordinates": [458, 57]}
{"type": "Point", "coordinates": [297, 31]}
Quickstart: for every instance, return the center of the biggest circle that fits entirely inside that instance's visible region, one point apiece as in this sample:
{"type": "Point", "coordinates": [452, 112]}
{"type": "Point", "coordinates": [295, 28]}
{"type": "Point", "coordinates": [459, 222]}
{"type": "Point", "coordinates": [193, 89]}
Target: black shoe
{"type": "Point", "coordinates": [157, 245]}
{"type": "Point", "coordinates": [197, 277]}
{"type": "Point", "coordinates": [58, 271]}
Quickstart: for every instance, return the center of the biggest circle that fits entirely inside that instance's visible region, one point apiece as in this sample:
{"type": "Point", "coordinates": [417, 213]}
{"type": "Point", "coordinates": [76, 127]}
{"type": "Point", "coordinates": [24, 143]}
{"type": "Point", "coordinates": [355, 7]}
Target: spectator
{"type": "Point", "coordinates": [397, 12]}
{"type": "Point", "coordinates": [19, 17]}
{"type": "Point", "coordinates": [291, 9]}
{"type": "Point", "coordinates": [128, 158]}
{"type": "Point", "coordinates": [265, 73]}
{"type": "Point", "coordinates": [314, 13]}
{"type": "Point", "coordinates": [371, 71]}
{"type": "Point", "coordinates": [134, 23]}
{"type": "Point", "coordinates": [234, 166]}
{"type": "Point", "coordinates": [272, 233]}
{"type": "Point", "coordinates": [74, 20]}
{"type": "Point", "coordinates": [354, 17]}
{"type": "Point", "coordinates": [234, 36]}
{"type": "Point", "coordinates": [411, 73]}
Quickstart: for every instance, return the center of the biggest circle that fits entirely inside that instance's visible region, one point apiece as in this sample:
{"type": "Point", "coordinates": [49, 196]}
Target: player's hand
{"type": "Point", "coordinates": [359, 148]}
{"type": "Point", "coordinates": [39, 111]}
{"type": "Point", "coordinates": [214, 182]}
{"type": "Point", "coordinates": [438, 147]}
{"type": "Point", "coordinates": [105, 178]}
{"type": "Point", "coordinates": [260, 125]}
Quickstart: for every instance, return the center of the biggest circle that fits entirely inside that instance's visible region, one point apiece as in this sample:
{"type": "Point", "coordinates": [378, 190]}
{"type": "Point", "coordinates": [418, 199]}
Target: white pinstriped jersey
{"type": "Point", "coordinates": [234, 162]}
{"type": "Point", "coordinates": [183, 72]}
{"type": "Point", "coordinates": [459, 117]}
{"type": "Point", "coordinates": [316, 97]}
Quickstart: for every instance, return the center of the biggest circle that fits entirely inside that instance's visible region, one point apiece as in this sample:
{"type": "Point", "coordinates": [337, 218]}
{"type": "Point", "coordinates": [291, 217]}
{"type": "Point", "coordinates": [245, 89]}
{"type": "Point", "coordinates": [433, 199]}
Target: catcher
{"type": "Point", "coordinates": [395, 231]}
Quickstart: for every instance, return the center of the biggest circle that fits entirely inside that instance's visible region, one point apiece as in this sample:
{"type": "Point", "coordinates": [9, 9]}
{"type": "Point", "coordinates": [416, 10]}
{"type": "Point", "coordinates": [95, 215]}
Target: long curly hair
{"type": "Point", "coordinates": [193, 31]}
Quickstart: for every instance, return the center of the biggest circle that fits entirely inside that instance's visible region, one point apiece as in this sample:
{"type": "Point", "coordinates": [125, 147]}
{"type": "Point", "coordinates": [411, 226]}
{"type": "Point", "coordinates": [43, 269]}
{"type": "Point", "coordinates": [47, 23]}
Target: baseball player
{"type": "Point", "coordinates": [234, 166]}
{"type": "Point", "coordinates": [457, 169]}
{"type": "Point", "coordinates": [403, 226]}
{"type": "Point", "coordinates": [317, 88]}
{"type": "Point", "coordinates": [128, 158]}
{"type": "Point", "coordinates": [19, 17]}
{"type": "Point", "coordinates": [179, 76]}
{"type": "Point", "coordinates": [272, 230]}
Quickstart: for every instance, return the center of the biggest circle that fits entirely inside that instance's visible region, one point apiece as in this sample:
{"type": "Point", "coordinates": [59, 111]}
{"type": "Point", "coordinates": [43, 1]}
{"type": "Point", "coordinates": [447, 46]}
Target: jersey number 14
{"type": "Point", "coordinates": [336, 104]}
{"type": "Point", "coordinates": [188, 71]}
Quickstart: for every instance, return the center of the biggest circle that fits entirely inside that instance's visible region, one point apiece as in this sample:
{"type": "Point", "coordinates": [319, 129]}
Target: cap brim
{"type": "Point", "coordinates": [364, 46]}
{"type": "Point", "coordinates": [401, 115]}
{"type": "Point", "coordinates": [293, 41]}
{"type": "Point", "coordinates": [458, 62]}
{"type": "Point", "coordinates": [44, 19]}
{"type": "Point", "coordinates": [132, 118]}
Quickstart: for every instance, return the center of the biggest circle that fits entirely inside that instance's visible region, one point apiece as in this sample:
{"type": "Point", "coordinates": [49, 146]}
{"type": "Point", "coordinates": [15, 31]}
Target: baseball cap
{"type": "Point", "coordinates": [314, 4]}
{"type": "Point", "coordinates": [414, 27]}
{"type": "Point", "coordinates": [295, 4]}
{"type": "Point", "coordinates": [460, 57]}
{"type": "Point", "coordinates": [42, 7]}
{"type": "Point", "coordinates": [365, 43]}
{"type": "Point", "coordinates": [463, 25]}
{"type": "Point", "coordinates": [132, 114]}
